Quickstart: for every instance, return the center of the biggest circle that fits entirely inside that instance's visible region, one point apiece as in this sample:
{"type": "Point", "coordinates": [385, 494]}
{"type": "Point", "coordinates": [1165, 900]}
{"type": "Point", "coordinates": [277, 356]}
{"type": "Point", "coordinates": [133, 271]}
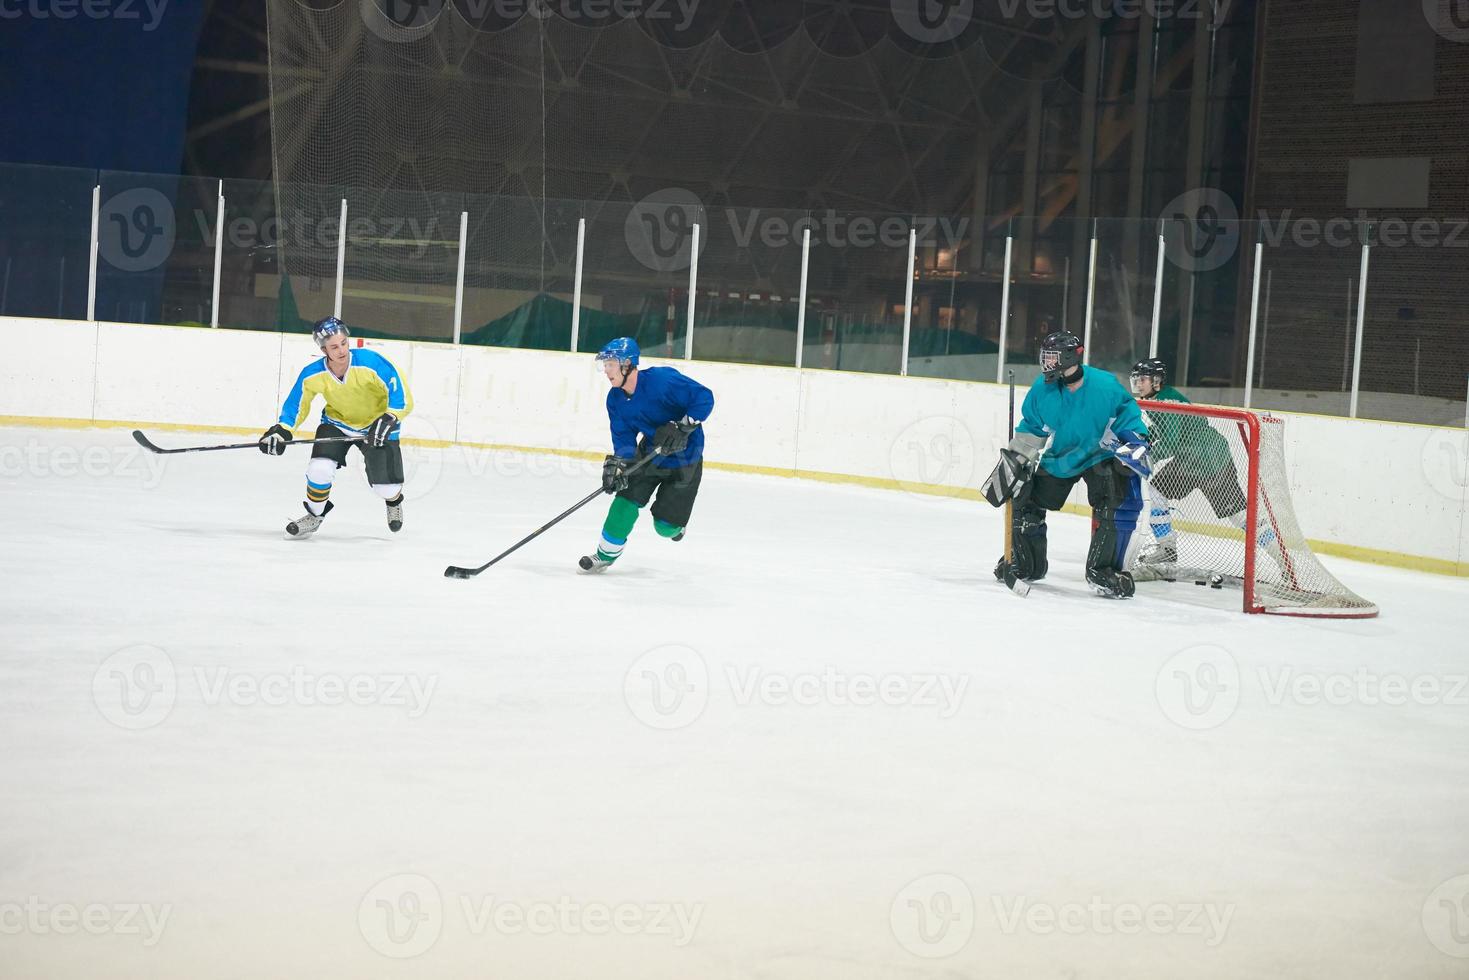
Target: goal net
{"type": "Point", "coordinates": [1218, 511]}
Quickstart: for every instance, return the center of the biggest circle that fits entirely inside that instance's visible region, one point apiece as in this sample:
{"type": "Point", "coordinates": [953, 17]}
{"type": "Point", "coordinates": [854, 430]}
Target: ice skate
{"type": "Point", "coordinates": [1110, 583]}
{"type": "Point", "coordinates": [596, 562]}
{"type": "Point", "coordinates": [307, 525]}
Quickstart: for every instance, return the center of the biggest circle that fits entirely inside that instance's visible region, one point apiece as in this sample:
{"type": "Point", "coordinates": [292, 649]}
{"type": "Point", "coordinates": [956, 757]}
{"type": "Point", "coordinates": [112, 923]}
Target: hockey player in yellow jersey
{"type": "Point", "coordinates": [365, 397]}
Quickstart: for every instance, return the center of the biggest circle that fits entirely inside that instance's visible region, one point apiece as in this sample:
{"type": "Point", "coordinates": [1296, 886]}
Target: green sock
{"type": "Point", "coordinates": [621, 517]}
{"type": "Point", "coordinates": [666, 529]}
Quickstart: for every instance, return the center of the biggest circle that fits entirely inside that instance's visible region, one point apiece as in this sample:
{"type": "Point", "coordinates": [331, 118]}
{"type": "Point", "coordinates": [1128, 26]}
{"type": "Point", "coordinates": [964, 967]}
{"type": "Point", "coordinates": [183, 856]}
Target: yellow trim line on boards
{"type": "Point", "coordinates": [1375, 556]}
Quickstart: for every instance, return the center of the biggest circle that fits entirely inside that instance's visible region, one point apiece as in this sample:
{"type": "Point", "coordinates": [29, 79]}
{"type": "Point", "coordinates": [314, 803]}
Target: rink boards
{"type": "Point", "coordinates": [1378, 491]}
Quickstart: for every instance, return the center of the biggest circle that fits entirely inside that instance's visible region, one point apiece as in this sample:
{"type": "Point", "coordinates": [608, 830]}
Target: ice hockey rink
{"type": "Point", "coordinates": [815, 739]}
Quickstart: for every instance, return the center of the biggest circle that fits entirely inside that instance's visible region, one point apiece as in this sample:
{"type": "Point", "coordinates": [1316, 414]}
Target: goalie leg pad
{"type": "Point", "coordinates": [1028, 543]}
{"type": "Point", "coordinates": [1115, 494]}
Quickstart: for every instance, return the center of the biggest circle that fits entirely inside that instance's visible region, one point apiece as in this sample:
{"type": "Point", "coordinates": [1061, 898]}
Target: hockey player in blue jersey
{"type": "Point", "coordinates": [667, 409]}
{"type": "Point", "coordinates": [365, 397]}
{"type": "Point", "coordinates": [1096, 434]}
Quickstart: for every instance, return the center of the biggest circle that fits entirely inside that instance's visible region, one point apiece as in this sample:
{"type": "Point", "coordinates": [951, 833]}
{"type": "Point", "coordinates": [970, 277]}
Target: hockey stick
{"type": "Point", "coordinates": [1016, 585]}
{"type": "Point", "coordinates": [454, 571]}
{"type": "Point", "coordinates": [143, 441]}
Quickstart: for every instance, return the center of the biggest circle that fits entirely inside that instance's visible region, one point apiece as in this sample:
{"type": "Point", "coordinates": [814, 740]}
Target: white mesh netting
{"type": "Point", "coordinates": [516, 110]}
{"type": "Point", "coordinates": [1199, 525]}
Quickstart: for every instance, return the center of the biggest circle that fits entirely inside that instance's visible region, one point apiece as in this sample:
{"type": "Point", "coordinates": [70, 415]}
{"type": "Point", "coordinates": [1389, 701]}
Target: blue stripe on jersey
{"type": "Point", "coordinates": [291, 411]}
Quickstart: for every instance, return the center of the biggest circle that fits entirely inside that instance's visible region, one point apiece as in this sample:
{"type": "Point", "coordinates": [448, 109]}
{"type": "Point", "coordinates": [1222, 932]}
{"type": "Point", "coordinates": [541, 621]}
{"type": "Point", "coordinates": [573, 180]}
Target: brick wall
{"type": "Point", "coordinates": [1345, 79]}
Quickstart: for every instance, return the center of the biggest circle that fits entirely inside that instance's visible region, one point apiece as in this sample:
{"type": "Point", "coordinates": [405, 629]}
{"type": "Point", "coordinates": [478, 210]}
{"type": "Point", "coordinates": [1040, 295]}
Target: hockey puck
{"type": "Point", "coordinates": [1216, 581]}
{"type": "Point", "coordinates": [1199, 581]}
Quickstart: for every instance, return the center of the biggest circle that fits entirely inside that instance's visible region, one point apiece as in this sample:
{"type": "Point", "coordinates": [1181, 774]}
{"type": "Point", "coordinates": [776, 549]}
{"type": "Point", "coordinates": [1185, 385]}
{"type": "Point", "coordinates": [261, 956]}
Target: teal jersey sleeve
{"type": "Point", "coordinates": [1030, 420]}
{"type": "Point", "coordinates": [1129, 417]}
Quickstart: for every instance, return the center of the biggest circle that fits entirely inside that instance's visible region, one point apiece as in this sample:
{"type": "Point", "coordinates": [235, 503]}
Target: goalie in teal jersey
{"type": "Point", "coordinates": [1077, 424]}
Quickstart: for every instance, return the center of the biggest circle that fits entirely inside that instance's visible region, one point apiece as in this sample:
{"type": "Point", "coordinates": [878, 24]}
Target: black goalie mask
{"type": "Point", "coordinates": [1060, 353]}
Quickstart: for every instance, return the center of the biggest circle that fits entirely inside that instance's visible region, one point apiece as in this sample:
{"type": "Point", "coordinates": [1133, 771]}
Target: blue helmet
{"type": "Point", "coordinates": [624, 350]}
{"type": "Point", "coordinates": [328, 328]}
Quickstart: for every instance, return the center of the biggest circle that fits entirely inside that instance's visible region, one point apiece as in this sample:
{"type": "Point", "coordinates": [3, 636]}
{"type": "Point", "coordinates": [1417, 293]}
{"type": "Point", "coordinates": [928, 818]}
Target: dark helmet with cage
{"type": "Point", "coordinates": [1061, 353]}
{"type": "Point", "coordinates": [1150, 369]}
{"type": "Point", "coordinates": [327, 329]}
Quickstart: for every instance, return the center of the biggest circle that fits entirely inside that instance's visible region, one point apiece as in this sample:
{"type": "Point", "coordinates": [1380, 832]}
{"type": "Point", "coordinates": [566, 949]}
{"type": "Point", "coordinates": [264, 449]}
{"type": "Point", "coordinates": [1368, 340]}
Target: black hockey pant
{"type": "Point", "coordinates": [1115, 495]}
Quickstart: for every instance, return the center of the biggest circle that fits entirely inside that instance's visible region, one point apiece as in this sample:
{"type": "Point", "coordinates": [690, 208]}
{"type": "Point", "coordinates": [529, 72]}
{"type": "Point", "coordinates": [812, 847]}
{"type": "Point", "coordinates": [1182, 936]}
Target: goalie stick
{"type": "Point", "coordinates": [1016, 585]}
{"type": "Point", "coordinates": [143, 441]}
{"type": "Point", "coordinates": [454, 571]}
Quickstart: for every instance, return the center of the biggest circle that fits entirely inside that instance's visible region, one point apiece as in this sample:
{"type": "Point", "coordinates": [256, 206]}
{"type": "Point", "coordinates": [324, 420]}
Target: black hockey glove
{"type": "Point", "coordinates": [614, 474]}
{"type": "Point", "coordinates": [273, 443]}
{"type": "Point", "coordinates": [378, 432]}
{"type": "Point", "coordinates": [1010, 476]}
{"type": "Point", "coordinates": [672, 438]}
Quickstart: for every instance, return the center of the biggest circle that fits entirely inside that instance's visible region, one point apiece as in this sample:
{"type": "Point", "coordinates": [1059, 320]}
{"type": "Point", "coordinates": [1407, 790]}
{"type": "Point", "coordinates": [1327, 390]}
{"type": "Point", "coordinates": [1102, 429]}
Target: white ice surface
{"type": "Point", "coordinates": [1029, 817]}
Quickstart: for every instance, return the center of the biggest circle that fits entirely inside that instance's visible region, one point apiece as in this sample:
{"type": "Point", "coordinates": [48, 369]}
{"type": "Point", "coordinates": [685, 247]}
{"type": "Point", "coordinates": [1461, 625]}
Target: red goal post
{"type": "Point", "coordinates": [1219, 473]}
